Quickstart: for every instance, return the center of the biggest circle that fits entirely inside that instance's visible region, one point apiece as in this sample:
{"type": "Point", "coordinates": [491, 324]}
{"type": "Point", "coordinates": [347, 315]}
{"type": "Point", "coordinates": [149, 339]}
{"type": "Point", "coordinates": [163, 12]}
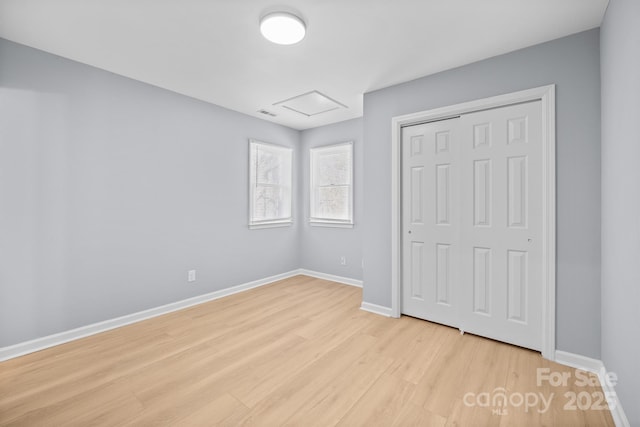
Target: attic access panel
{"type": "Point", "coordinates": [311, 104]}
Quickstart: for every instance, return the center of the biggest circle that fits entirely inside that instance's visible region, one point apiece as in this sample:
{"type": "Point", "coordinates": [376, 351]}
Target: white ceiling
{"type": "Point", "coordinates": [212, 49]}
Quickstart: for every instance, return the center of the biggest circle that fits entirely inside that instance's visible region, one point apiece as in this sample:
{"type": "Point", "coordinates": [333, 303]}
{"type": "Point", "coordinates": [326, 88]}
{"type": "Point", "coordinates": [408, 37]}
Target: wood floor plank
{"type": "Point", "coordinates": [223, 411]}
{"type": "Point", "coordinates": [208, 363]}
{"type": "Point", "coordinates": [417, 357]}
{"type": "Point", "coordinates": [464, 415]}
{"type": "Point", "coordinates": [444, 383]}
{"type": "Point", "coordinates": [107, 404]}
{"type": "Point", "coordinates": [412, 415]}
{"type": "Point", "coordinates": [280, 405]}
{"type": "Point", "coordinates": [287, 367]}
{"type": "Point", "coordinates": [295, 352]}
{"type": "Point", "coordinates": [380, 405]}
{"type": "Point", "coordinates": [330, 403]}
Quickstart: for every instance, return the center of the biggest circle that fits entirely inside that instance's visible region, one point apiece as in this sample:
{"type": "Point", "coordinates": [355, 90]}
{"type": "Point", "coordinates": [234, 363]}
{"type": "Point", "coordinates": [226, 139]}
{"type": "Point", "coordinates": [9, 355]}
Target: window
{"type": "Point", "coordinates": [270, 185]}
{"type": "Point", "coordinates": [332, 185]}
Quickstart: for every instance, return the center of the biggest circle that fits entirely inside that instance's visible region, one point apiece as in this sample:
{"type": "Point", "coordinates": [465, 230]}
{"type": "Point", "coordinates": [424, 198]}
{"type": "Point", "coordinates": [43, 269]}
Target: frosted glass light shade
{"type": "Point", "coordinates": [282, 28]}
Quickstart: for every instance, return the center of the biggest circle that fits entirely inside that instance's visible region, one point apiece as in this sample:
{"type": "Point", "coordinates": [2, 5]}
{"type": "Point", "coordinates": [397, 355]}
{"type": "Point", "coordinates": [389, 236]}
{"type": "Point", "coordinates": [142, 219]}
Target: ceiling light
{"type": "Point", "coordinates": [282, 28]}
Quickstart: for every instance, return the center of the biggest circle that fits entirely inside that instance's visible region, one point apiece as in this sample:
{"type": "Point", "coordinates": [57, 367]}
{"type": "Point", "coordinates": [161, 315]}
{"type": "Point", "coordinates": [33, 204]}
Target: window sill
{"type": "Point", "coordinates": [270, 225]}
{"type": "Point", "coordinates": [330, 224]}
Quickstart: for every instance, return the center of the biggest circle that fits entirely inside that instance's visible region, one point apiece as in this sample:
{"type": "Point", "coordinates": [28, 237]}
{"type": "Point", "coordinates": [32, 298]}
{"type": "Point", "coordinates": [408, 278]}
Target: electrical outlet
{"type": "Point", "coordinates": [191, 276]}
{"type": "Point", "coordinates": [343, 260]}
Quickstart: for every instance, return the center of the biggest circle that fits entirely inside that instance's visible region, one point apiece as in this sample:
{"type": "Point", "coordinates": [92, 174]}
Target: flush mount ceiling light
{"type": "Point", "coordinates": [282, 28]}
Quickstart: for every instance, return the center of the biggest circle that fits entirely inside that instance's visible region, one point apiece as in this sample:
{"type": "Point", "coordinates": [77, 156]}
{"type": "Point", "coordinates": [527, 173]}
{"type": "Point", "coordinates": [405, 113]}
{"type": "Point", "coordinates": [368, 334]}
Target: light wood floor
{"type": "Point", "coordinates": [296, 352]}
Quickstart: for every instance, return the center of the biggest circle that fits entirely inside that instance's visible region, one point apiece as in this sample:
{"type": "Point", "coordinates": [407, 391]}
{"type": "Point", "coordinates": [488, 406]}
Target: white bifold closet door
{"type": "Point", "coordinates": [472, 223]}
{"type": "Point", "coordinates": [431, 221]}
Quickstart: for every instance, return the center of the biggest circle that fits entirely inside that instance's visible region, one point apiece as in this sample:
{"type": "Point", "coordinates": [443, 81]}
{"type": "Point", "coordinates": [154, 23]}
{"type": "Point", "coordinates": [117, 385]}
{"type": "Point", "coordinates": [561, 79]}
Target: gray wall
{"type": "Point", "coordinates": [620, 64]}
{"type": "Point", "coordinates": [572, 63]}
{"type": "Point", "coordinates": [111, 189]}
{"type": "Point", "coordinates": [322, 247]}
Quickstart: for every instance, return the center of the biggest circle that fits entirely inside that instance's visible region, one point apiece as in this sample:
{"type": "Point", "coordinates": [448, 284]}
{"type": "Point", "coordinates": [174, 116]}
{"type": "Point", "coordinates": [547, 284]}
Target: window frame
{"type": "Point", "coordinates": [275, 222]}
{"type": "Point", "coordinates": [318, 221]}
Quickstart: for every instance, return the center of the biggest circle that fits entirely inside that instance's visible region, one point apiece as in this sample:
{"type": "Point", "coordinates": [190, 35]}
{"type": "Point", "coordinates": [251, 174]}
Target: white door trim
{"type": "Point", "coordinates": [547, 95]}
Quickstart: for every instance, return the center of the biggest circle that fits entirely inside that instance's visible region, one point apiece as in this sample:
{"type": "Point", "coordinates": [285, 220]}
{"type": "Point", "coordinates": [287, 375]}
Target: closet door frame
{"type": "Point", "coordinates": [546, 94]}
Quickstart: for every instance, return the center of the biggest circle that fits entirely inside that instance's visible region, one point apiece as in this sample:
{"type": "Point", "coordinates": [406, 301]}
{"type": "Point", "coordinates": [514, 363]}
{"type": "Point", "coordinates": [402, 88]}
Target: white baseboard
{"type": "Point", "coordinates": [376, 309]}
{"type": "Point", "coordinates": [37, 344]}
{"type": "Point", "coordinates": [579, 361]}
{"type": "Point", "coordinates": [619, 417]}
{"type": "Point", "coordinates": [333, 278]}
{"type": "Point", "coordinates": [597, 367]}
